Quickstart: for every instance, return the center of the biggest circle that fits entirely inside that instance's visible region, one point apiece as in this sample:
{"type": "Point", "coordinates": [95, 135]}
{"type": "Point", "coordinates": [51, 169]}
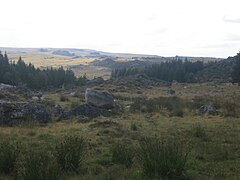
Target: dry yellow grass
{"type": "Point", "coordinates": [43, 60]}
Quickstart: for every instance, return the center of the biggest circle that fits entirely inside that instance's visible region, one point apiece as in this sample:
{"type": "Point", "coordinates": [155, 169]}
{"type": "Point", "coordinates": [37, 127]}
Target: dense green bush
{"type": "Point", "coordinates": [199, 131]}
{"type": "Point", "coordinates": [64, 98]}
{"type": "Point", "coordinates": [37, 165]}
{"type": "Point", "coordinates": [123, 154]}
{"type": "Point", "coordinates": [134, 127]}
{"type": "Point", "coordinates": [71, 152]}
{"type": "Point", "coordinates": [230, 109]}
{"type": "Point", "coordinates": [9, 151]}
{"type": "Point", "coordinates": [163, 158]}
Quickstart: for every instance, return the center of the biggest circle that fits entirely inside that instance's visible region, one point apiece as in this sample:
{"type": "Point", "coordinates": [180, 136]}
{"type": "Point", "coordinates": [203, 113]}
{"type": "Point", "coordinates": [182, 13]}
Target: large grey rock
{"type": "Point", "coordinates": [60, 113]}
{"type": "Point", "coordinates": [207, 109]}
{"type": "Point", "coordinates": [97, 80]}
{"type": "Point", "coordinates": [171, 92]}
{"type": "Point", "coordinates": [90, 111]}
{"type": "Point", "coordinates": [83, 112]}
{"type": "Point", "coordinates": [6, 86]}
{"type": "Point", "coordinates": [99, 99]}
{"type": "Point", "coordinates": [16, 113]}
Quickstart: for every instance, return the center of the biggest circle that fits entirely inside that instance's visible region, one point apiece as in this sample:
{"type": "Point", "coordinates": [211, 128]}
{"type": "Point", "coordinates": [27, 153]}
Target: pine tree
{"type": "Point", "coordinates": [23, 74]}
{"type": "Point", "coordinates": [236, 69]}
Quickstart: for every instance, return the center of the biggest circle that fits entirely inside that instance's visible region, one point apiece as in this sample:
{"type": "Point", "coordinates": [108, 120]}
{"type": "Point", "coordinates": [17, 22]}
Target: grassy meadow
{"type": "Point", "coordinates": [166, 129]}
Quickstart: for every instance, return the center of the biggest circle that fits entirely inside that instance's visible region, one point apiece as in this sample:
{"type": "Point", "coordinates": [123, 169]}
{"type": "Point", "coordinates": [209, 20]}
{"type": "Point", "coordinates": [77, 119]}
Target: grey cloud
{"type": "Point", "coordinates": [231, 20]}
{"type": "Point", "coordinates": [152, 17]}
{"type": "Point", "coordinates": [219, 46]}
{"type": "Point", "coordinates": [233, 37]}
{"type": "Point", "coordinates": [156, 31]}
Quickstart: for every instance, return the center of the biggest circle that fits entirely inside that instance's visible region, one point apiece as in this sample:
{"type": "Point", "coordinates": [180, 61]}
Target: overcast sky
{"type": "Point", "coordinates": [162, 27]}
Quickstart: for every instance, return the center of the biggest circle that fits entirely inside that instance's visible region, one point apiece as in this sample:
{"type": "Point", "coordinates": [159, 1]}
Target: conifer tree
{"type": "Point", "coordinates": [236, 69]}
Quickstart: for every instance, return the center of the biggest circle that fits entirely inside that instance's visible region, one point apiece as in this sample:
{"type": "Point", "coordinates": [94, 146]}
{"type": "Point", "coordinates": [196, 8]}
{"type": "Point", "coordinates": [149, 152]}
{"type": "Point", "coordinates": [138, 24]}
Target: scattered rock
{"type": "Point", "coordinates": [171, 92]}
{"type": "Point", "coordinates": [6, 87]}
{"type": "Point", "coordinates": [35, 98]}
{"type": "Point", "coordinates": [58, 111]}
{"type": "Point", "coordinates": [101, 99]}
{"type": "Point", "coordinates": [104, 124]}
{"type": "Point", "coordinates": [83, 118]}
{"type": "Point", "coordinates": [11, 114]}
{"type": "Point", "coordinates": [88, 111]}
{"type": "Point", "coordinates": [38, 112]}
{"type": "Point", "coordinates": [98, 80]}
{"type": "Point", "coordinates": [72, 94]}
{"type": "Point", "coordinates": [215, 91]}
{"type": "Point", "coordinates": [207, 109]}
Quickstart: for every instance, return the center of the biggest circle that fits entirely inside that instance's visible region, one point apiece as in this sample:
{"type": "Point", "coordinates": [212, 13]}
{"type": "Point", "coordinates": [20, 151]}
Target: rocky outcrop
{"type": "Point", "coordinates": [86, 110]}
{"type": "Point", "coordinates": [171, 92]}
{"type": "Point", "coordinates": [97, 80]}
{"type": "Point", "coordinates": [207, 109]}
{"type": "Point", "coordinates": [101, 99]}
{"type": "Point", "coordinates": [16, 113]}
{"type": "Point", "coordinates": [6, 87]}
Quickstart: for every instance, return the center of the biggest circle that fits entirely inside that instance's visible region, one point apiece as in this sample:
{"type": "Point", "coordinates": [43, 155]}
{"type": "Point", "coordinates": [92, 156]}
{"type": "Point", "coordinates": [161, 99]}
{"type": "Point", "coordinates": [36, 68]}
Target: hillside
{"type": "Point", "coordinates": [86, 61]}
{"type": "Point", "coordinates": [217, 72]}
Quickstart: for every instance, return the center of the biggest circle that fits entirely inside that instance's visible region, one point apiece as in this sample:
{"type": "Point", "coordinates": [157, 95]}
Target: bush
{"type": "Point", "coordinates": [199, 132]}
{"type": "Point", "coordinates": [123, 154]}
{"type": "Point", "coordinates": [9, 152]}
{"type": "Point", "coordinates": [74, 104]}
{"type": "Point", "coordinates": [70, 153]}
{"type": "Point", "coordinates": [230, 109]}
{"type": "Point", "coordinates": [38, 166]}
{"type": "Point", "coordinates": [162, 158]}
{"type": "Point", "coordinates": [64, 98]}
{"type": "Point", "coordinates": [134, 127]}
{"type": "Point", "coordinates": [50, 103]}
{"type": "Point", "coordinates": [178, 113]}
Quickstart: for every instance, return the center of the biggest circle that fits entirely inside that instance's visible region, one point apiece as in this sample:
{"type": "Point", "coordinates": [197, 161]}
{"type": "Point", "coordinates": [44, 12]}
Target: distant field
{"type": "Point", "coordinates": [43, 60]}
{"type": "Point", "coordinates": [92, 71]}
{"type": "Point", "coordinates": [80, 66]}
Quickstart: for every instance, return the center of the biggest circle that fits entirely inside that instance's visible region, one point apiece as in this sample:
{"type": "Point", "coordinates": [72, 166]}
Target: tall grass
{"type": "Point", "coordinates": [230, 109]}
{"type": "Point", "coordinates": [38, 166]}
{"type": "Point", "coordinates": [163, 158]}
{"type": "Point", "coordinates": [173, 104]}
{"type": "Point", "coordinates": [199, 131]}
{"type": "Point", "coordinates": [71, 152]}
{"type": "Point", "coordinates": [123, 154]}
{"type": "Point", "coordinates": [9, 151]}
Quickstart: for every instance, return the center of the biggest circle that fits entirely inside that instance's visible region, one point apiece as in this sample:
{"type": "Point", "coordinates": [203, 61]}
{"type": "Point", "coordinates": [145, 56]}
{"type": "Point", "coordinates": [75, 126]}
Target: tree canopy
{"type": "Point", "coordinates": [21, 73]}
{"type": "Point", "coordinates": [168, 71]}
{"type": "Point", "coordinates": [236, 69]}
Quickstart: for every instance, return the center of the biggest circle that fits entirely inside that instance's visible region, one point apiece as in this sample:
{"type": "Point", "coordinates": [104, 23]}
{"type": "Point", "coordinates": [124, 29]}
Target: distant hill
{"type": "Point", "coordinates": [99, 54]}
{"type": "Point", "coordinates": [70, 52]}
{"type": "Point", "coordinates": [63, 53]}
{"type": "Point", "coordinates": [218, 72]}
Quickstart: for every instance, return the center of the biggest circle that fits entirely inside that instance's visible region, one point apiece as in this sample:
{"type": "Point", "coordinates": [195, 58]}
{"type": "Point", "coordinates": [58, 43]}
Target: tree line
{"type": "Point", "coordinates": [181, 71]}
{"type": "Point", "coordinates": [21, 73]}
{"type": "Point", "coordinates": [236, 69]}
